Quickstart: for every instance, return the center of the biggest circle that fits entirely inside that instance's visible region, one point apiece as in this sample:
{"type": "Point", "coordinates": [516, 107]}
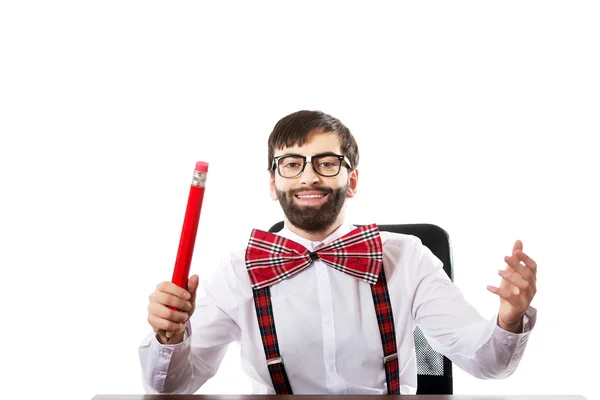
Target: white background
{"type": "Point", "coordinates": [476, 116]}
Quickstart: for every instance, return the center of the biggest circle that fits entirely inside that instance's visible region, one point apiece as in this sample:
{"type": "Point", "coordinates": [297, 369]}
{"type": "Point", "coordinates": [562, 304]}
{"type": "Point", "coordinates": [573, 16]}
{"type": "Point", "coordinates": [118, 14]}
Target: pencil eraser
{"type": "Point", "coordinates": [202, 166]}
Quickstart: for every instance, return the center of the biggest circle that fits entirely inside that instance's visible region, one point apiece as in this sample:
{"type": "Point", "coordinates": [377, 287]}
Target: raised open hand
{"type": "Point", "coordinates": [517, 288]}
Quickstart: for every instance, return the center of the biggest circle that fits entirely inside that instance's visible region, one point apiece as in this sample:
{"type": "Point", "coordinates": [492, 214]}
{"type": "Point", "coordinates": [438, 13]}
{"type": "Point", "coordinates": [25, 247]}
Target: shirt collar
{"type": "Point", "coordinates": [344, 228]}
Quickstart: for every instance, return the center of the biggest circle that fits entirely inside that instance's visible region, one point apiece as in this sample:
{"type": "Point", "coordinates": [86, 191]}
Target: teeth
{"type": "Point", "coordinates": [314, 196]}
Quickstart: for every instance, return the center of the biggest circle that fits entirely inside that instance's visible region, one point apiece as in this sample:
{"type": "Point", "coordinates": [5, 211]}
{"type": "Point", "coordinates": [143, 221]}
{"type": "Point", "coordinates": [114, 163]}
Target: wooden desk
{"type": "Point", "coordinates": [324, 397]}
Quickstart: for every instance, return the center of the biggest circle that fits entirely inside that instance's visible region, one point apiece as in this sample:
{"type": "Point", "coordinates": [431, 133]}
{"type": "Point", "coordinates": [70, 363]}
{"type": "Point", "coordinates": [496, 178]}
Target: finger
{"type": "Point", "coordinates": [161, 324]}
{"type": "Point", "coordinates": [171, 288]}
{"type": "Point", "coordinates": [507, 295]}
{"type": "Point", "coordinates": [516, 280]}
{"type": "Point", "coordinates": [167, 299]}
{"type": "Point", "coordinates": [162, 333]}
{"type": "Point", "coordinates": [515, 266]}
{"type": "Point", "coordinates": [166, 313]}
{"type": "Point", "coordinates": [517, 246]}
{"type": "Point", "coordinates": [528, 261]}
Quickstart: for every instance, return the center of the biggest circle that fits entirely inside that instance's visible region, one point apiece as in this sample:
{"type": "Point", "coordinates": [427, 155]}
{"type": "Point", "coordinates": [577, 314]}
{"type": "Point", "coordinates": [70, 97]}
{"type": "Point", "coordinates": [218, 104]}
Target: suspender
{"type": "Point", "coordinates": [385, 321]}
{"type": "Point", "coordinates": [264, 312]}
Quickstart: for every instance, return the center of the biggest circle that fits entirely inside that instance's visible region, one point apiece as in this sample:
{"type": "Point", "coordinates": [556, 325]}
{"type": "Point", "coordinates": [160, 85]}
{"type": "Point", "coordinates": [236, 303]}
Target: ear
{"type": "Point", "coordinates": [352, 184]}
{"type": "Point", "coordinates": [272, 190]}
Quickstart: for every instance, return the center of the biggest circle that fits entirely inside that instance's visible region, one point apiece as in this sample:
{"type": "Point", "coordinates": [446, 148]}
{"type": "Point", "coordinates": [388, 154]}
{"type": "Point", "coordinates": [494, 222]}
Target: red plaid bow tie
{"type": "Point", "coordinates": [271, 258]}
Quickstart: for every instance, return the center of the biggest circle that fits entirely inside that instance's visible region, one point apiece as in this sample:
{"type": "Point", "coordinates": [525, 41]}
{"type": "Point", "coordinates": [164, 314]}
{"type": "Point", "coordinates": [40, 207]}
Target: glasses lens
{"type": "Point", "coordinates": [327, 165]}
{"type": "Point", "coordinates": [290, 166]}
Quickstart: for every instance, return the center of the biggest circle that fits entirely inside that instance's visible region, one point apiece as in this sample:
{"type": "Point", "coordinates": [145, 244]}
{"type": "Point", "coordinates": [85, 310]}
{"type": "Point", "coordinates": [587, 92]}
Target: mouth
{"type": "Point", "coordinates": [311, 198]}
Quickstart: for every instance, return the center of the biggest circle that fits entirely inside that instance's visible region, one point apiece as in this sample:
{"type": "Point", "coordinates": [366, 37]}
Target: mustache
{"type": "Point", "coordinates": [324, 189]}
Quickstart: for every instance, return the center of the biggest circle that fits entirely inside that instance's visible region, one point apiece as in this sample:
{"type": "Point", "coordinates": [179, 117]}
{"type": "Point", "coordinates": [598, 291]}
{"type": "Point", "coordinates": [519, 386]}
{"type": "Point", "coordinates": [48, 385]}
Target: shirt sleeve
{"type": "Point", "coordinates": [185, 367]}
{"type": "Point", "coordinates": [455, 329]}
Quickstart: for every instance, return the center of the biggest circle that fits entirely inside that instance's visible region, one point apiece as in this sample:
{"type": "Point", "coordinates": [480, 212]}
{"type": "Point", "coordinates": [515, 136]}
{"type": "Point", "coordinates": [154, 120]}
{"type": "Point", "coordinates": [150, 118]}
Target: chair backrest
{"type": "Point", "coordinates": [434, 371]}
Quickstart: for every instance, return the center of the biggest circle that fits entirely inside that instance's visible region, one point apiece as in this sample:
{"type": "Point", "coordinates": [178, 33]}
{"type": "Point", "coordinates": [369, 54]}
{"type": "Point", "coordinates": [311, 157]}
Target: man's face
{"type": "Point", "coordinates": [312, 202]}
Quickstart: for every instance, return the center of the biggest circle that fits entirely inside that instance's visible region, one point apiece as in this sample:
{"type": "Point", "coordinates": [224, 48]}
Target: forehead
{"type": "Point", "coordinates": [317, 143]}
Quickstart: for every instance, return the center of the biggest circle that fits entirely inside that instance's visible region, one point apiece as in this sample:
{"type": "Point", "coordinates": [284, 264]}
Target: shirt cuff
{"type": "Point", "coordinates": [515, 343]}
{"type": "Point", "coordinates": [165, 355]}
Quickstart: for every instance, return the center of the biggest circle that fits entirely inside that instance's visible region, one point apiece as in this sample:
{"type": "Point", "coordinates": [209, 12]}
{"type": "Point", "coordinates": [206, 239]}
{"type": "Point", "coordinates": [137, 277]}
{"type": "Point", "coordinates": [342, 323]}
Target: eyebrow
{"type": "Point", "coordinates": [327, 153]}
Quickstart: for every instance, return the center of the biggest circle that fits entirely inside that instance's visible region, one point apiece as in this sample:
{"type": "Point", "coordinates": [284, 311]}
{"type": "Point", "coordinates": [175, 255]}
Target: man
{"type": "Point", "coordinates": [319, 331]}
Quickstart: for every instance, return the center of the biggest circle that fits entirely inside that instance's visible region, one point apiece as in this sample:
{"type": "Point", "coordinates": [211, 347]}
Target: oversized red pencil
{"type": "Point", "coordinates": [181, 272]}
{"type": "Point", "coordinates": [185, 252]}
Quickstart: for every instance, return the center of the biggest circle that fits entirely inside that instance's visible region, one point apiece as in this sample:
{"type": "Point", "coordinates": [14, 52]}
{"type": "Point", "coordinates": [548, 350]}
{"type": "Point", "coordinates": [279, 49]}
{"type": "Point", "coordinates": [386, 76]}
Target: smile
{"type": "Point", "coordinates": [310, 196]}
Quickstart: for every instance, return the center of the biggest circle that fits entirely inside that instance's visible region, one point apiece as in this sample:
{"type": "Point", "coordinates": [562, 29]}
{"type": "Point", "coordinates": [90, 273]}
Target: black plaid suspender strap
{"type": "Point", "coordinates": [387, 330]}
{"type": "Point", "coordinates": [385, 321]}
{"type": "Point", "coordinates": [264, 312]}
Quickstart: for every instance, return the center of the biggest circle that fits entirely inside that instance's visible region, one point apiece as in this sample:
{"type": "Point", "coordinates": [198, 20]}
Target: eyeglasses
{"type": "Point", "coordinates": [292, 165]}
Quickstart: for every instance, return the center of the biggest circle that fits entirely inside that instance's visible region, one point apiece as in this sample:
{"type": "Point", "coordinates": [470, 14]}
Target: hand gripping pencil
{"type": "Point", "coordinates": [185, 252]}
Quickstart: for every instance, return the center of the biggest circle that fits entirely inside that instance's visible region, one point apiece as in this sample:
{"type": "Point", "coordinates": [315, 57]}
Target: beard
{"type": "Point", "coordinates": [313, 219]}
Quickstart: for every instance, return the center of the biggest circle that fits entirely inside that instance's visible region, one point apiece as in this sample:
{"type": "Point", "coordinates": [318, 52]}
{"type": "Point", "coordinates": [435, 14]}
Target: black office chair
{"type": "Point", "coordinates": [434, 371]}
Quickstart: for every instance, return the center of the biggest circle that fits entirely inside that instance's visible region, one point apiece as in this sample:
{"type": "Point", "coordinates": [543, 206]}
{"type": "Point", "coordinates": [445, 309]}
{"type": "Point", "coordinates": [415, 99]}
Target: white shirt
{"type": "Point", "coordinates": [327, 329]}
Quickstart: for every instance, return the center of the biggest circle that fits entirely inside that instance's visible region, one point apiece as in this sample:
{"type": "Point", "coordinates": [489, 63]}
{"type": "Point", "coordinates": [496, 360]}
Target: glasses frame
{"type": "Point", "coordinates": [309, 159]}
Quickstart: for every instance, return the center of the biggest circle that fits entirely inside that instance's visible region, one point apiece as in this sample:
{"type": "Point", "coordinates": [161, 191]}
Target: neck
{"type": "Point", "coordinates": [316, 236]}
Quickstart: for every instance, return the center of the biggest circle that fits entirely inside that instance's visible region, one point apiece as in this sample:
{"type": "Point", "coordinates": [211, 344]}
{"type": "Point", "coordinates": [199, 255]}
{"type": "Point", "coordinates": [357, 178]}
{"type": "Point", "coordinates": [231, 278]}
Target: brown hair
{"type": "Point", "coordinates": [294, 129]}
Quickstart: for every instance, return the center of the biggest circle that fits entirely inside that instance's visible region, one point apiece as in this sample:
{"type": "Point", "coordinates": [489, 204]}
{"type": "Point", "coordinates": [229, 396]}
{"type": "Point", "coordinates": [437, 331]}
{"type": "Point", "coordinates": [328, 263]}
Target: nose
{"type": "Point", "coordinates": [309, 175]}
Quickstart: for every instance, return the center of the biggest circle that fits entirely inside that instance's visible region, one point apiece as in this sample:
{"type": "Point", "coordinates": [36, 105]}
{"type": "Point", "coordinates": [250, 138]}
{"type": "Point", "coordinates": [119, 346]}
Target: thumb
{"type": "Point", "coordinates": [193, 285]}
